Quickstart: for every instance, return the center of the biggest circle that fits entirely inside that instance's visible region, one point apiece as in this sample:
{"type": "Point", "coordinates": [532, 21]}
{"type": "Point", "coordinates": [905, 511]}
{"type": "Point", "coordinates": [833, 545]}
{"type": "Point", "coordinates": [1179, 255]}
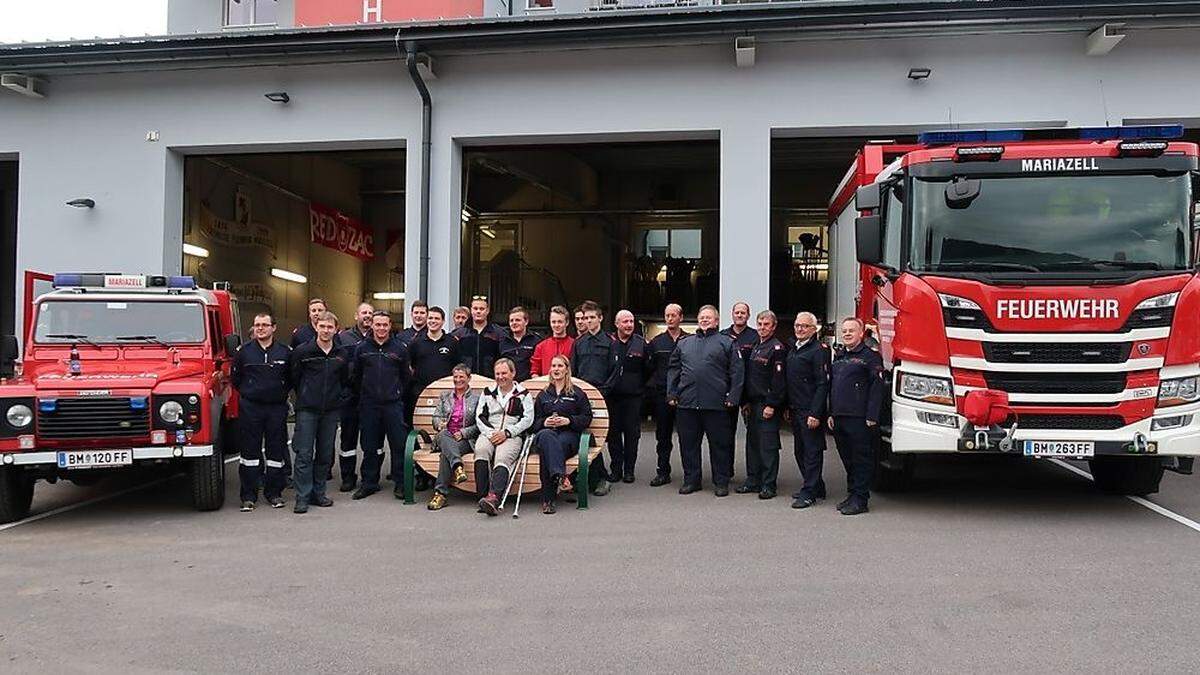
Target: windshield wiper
{"type": "Point", "coordinates": [144, 338]}
{"type": "Point", "coordinates": [977, 266]}
{"type": "Point", "coordinates": [74, 338]}
{"type": "Point", "coordinates": [1119, 264]}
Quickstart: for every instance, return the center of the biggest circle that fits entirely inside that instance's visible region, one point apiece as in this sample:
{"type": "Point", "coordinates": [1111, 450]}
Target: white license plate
{"type": "Point", "coordinates": [1060, 448]}
{"type": "Point", "coordinates": [94, 459]}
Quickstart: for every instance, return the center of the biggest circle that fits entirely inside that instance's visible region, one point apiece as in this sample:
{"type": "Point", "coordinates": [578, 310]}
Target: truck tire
{"type": "Point", "coordinates": [1126, 475]}
{"type": "Point", "coordinates": [16, 494]}
{"type": "Point", "coordinates": [893, 472]}
{"type": "Point", "coordinates": [208, 482]}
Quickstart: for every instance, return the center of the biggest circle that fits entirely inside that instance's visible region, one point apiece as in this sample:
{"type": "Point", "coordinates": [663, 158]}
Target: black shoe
{"type": "Point", "coordinates": [300, 508]}
{"type": "Point", "coordinates": [276, 502]}
{"type": "Point", "coordinates": [347, 484]}
{"type": "Point", "coordinates": [247, 506]}
{"type": "Point", "coordinates": [721, 491]}
{"type": "Point", "coordinates": [660, 479]}
{"type": "Point", "coordinates": [627, 478]}
{"type": "Point", "coordinates": [322, 501]}
{"type": "Point", "coordinates": [855, 507]}
{"type": "Point", "coordinates": [688, 489]}
{"type": "Point", "coordinates": [803, 502]}
{"type": "Point", "coordinates": [766, 493]}
{"type": "Point", "coordinates": [746, 488]}
{"type": "Point", "coordinates": [843, 504]}
{"type": "Point", "coordinates": [363, 492]}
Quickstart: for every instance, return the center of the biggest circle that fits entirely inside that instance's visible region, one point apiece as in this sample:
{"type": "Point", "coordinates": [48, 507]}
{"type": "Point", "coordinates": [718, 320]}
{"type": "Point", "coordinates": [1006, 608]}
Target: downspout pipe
{"type": "Point", "coordinates": [410, 51]}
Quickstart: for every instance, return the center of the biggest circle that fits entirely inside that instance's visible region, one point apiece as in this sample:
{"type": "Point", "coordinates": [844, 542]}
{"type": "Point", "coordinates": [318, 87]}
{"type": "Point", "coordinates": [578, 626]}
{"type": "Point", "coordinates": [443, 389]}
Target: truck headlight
{"type": "Point", "coordinates": [1178, 392]}
{"type": "Point", "coordinates": [1158, 301]}
{"type": "Point", "coordinates": [170, 412]}
{"type": "Point", "coordinates": [955, 302]}
{"type": "Point", "coordinates": [19, 416]}
{"type": "Point", "coordinates": [938, 390]}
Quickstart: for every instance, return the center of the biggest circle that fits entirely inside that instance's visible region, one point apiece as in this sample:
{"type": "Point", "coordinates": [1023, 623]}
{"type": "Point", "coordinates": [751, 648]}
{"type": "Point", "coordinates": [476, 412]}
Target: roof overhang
{"type": "Point", "coordinates": [810, 19]}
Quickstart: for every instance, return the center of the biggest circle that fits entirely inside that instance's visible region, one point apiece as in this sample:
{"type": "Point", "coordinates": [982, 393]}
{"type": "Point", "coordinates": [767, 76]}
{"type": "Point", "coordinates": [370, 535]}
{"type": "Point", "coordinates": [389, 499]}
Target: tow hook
{"type": "Point", "coordinates": [1140, 446]}
{"type": "Point", "coordinates": [995, 436]}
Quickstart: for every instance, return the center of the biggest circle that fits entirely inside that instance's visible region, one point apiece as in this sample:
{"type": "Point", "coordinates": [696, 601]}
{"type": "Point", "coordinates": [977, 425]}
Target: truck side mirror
{"type": "Point", "coordinates": [868, 239]}
{"type": "Point", "coordinates": [232, 342]}
{"type": "Point", "coordinates": [10, 350]}
{"type": "Point", "coordinates": [868, 197]}
{"type": "Point", "coordinates": [960, 192]}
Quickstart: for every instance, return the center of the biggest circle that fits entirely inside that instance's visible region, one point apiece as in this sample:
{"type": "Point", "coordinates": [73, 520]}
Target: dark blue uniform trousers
{"type": "Point", "coordinates": [762, 447]}
{"type": "Point", "coordinates": [624, 430]}
{"type": "Point", "coordinates": [259, 425]}
{"type": "Point", "coordinates": [348, 450]}
{"type": "Point", "coordinates": [664, 426]}
{"type": "Point", "coordinates": [856, 446]}
{"type": "Point", "coordinates": [809, 450]}
{"type": "Point", "coordinates": [555, 447]}
{"type": "Point", "coordinates": [377, 420]}
{"type": "Point", "coordinates": [694, 426]}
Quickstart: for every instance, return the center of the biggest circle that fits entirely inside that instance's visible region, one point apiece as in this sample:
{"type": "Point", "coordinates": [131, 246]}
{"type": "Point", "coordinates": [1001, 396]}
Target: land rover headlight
{"type": "Point", "coordinates": [171, 412]}
{"type": "Point", "coordinates": [938, 390]}
{"type": "Point", "coordinates": [1178, 392]}
{"type": "Point", "coordinates": [19, 416]}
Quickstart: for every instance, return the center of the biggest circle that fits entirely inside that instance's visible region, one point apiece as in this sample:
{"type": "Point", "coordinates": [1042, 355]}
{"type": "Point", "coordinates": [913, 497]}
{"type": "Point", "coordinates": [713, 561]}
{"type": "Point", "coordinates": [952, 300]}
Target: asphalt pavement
{"type": "Point", "coordinates": [989, 565]}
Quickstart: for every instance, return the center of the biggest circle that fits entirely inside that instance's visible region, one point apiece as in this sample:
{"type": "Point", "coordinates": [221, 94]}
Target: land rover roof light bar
{"type": "Point", "coordinates": [1153, 132]}
{"type": "Point", "coordinates": [117, 281]}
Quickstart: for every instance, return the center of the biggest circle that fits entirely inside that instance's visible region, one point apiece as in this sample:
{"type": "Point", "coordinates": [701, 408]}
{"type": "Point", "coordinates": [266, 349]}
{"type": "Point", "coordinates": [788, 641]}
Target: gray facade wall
{"type": "Point", "coordinates": [88, 137]}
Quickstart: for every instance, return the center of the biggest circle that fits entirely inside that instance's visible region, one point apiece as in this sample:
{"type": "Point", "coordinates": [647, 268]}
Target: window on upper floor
{"type": "Point", "coordinates": [539, 4]}
{"type": "Point", "coordinates": [240, 13]}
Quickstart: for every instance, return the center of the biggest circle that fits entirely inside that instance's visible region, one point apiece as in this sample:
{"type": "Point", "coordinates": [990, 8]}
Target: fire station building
{"type": "Point", "coordinates": [536, 155]}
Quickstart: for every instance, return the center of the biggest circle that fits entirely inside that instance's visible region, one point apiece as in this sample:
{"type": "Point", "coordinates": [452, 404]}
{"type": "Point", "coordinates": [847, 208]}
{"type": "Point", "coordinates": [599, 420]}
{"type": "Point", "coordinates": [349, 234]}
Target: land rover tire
{"type": "Point", "coordinates": [208, 482]}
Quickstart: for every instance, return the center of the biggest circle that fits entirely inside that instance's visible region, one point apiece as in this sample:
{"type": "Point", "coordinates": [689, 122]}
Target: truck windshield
{"type": "Point", "coordinates": [1105, 224]}
{"type": "Point", "coordinates": [100, 321]}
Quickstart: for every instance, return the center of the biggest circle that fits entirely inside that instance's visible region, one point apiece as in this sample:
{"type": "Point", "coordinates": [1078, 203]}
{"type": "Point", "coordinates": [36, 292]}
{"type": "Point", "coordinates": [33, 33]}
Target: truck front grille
{"type": "Point", "coordinates": [1082, 422]}
{"type": "Point", "coordinates": [1049, 352]}
{"type": "Point", "coordinates": [85, 418]}
{"type": "Point", "coordinates": [1056, 383]}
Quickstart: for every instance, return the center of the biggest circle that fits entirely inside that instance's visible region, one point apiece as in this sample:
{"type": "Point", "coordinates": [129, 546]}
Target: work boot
{"type": "Point", "coordinates": [660, 479]}
{"type": "Point", "coordinates": [747, 488]}
{"type": "Point", "coordinates": [348, 484]}
{"type": "Point", "coordinates": [767, 493]}
{"type": "Point", "coordinates": [687, 489]}
{"type": "Point", "coordinates": [490, 504]}
{"type": "Point", "coordinates": [247, 506]}
{"type": "Point", "coordinates": [322, 501]}
{"type": "Point", "coordinates": [842, 504]}
{"type": "Point", "coordinates": [363, 492]}
{"type": "Point", "coordinates": [628, 477]}
{"type": "Point", "coordinates": [721, 491]}
{"type": "Point", "coordinates": [300, 508]}
{"type": "Point", "coordinates": [276, 502]}
{"type": "Point", "coordinates": [854, 507]}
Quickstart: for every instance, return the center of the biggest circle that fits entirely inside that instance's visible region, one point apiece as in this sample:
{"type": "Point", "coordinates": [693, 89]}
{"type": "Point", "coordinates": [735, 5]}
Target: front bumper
{"type": "Point", "coordinates": [50, 457]}
{"type": "Point", "coordinates": [911, 434]}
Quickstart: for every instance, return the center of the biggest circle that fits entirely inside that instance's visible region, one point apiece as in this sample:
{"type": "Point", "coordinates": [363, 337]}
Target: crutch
{"type": "Point", "coordinates": [512, 476]}
{"type": "Point", "coordinates": [521, 490]}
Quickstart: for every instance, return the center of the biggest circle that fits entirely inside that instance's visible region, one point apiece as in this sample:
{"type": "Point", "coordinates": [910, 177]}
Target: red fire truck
{"type": "Point", "coordinates": [1051, 273]}
{"type": "Point", "coordinates": [118, 370]}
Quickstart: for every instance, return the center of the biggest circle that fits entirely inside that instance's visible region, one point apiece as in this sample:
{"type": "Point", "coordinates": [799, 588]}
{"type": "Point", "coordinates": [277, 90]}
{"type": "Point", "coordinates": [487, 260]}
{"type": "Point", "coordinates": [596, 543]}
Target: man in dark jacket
{"type": "Point", "coordinates": [625, 397]}
{"type": "Point", "coordinates": [704, 381]}
{"type": "Point", "coordinates": [855, 402]}
{"type": "Point", "coordinates": [479, 340]}
{"type": "Point", "coordinates": [660, 349]}
{"type": "Point", "coordinates": [346, 341]}
{"type": "Point", "coordinates": [259, 372]}
{"type": "Point", "coordinates": [434, 353]}
{"type": "Point", "coordinates": [308, 332]}
{"type": "Point", "coordinates": [380, 373]}
{"type": "Point", "coordinates": [807, 370]}
{"type": "Point", "coordinates": [594, 360]}
{"type": "Point", "coordinates": [519, 342]}
{"type": "Point", "coordinates": [319, 373]}
{"type": "Point", "coordinates": [765, 391]}
{"type": "Point", "coordinates": [419, 312]}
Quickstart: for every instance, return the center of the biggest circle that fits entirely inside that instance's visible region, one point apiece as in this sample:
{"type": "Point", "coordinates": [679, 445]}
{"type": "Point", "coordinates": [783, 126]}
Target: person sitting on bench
{"type": "Point", "coordinates": [561, 413]}
{"type": "Point", "coordinates": [504, 414]}
{"type": "Point", "coordinates": [454, 421]}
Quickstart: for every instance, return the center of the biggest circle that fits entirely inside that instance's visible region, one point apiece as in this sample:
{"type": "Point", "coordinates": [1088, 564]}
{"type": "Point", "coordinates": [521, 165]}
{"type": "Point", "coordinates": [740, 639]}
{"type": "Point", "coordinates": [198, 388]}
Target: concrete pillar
{"type": "Point", "coordinates": [445, 222]}
{"type": "Point", "coordinates": [745, 218]}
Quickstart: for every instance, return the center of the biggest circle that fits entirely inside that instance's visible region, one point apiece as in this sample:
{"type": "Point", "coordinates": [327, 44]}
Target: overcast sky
{"type": "Point", "coordinates": [43, 20]}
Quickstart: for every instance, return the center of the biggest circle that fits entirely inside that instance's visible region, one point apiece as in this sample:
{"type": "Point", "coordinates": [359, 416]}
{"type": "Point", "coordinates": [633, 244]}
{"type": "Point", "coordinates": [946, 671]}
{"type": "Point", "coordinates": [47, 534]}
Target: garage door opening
{"type": "Point", "coordinates": [805, 175]}
{"type": "Point", "coordinates": [8, 247]}
{"type": "Point", "coordinates": [630, 225]}
{"type": "Point", "coordinates": [285, 227]}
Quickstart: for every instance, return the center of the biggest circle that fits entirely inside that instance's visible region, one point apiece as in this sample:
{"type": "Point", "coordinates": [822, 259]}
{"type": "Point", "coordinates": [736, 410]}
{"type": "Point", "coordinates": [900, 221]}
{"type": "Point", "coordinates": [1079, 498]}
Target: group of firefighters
{"type": "Point", "coordinates": [366, 379]}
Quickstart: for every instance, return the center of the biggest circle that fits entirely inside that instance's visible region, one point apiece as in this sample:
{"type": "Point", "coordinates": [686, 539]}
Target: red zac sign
{"type": "Point", "coordinates": [333, 229]}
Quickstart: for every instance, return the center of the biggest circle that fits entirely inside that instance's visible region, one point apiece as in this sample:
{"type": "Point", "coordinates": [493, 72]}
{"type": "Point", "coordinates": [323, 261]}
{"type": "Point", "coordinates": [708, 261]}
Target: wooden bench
{"type": "Point", "coordinates": [421, 453]}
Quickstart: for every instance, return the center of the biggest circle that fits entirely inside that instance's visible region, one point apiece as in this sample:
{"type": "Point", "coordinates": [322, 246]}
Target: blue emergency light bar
{"type": "Point", "coordinates": [116, 281]}
{"type": "Point", "coordinates": [1137, 133]}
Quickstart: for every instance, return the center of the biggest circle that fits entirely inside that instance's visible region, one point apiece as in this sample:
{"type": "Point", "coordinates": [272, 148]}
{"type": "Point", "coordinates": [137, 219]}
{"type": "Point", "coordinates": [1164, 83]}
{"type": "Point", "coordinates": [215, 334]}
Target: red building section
{"type": "Point", "coordinates": [325, 12]}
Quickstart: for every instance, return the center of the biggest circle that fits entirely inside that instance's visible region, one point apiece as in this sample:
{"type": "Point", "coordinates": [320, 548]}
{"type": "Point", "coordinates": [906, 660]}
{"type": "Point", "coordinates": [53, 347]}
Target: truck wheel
{"type": "Point", "coordinates": [1126, 475]}
{"type": "Point", "coordinates": [208, 482]}
{"type": "Point", "coordinates": [16, 494]}
{"type": "Point", "coordinates": [893, 472]}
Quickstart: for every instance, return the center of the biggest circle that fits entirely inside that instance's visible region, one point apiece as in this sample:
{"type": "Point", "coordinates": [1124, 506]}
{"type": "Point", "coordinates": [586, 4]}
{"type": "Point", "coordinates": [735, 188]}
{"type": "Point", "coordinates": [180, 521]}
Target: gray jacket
{"type": "Point", "coordinates": [705, 372]}
{"type": "Point", "coordinates": [445, 407]}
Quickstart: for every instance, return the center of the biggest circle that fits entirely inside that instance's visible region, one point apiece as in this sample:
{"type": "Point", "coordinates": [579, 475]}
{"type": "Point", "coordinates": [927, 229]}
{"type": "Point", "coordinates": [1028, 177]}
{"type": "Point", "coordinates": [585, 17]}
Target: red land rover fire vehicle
{"type": "Point", "coordinates": [1050, 272]}
{"type": "Point", "coordinates": [118, 370]}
